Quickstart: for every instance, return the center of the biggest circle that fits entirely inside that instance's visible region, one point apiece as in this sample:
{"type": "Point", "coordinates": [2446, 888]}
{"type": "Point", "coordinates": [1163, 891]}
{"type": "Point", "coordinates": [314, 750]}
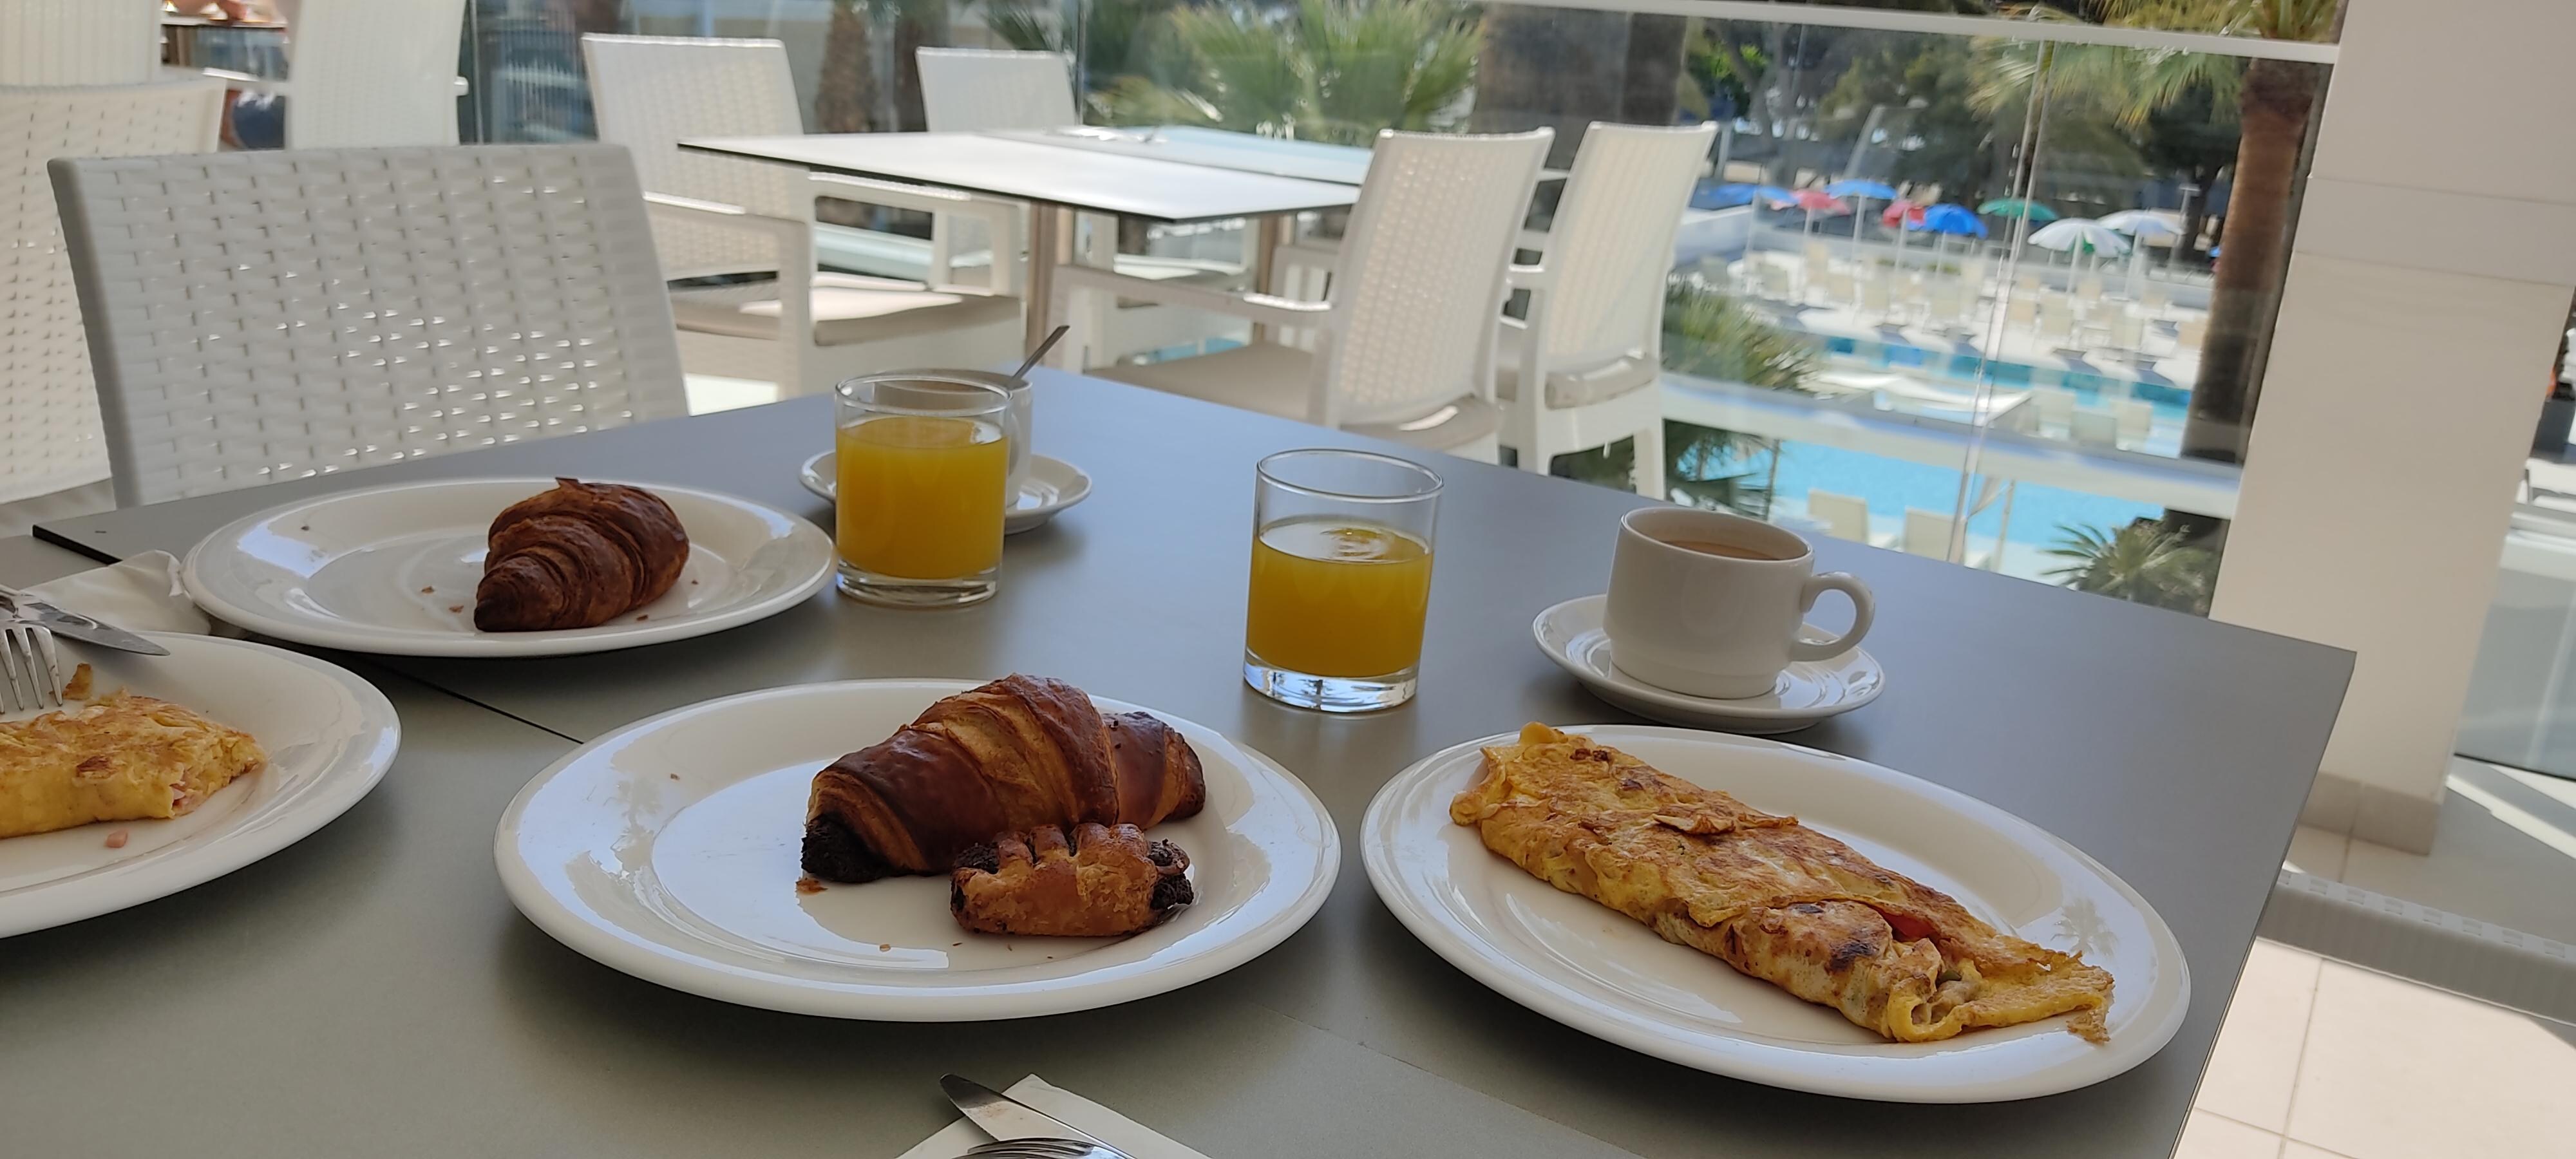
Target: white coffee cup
{"type": "Point", "coordinates": [1709, 604]}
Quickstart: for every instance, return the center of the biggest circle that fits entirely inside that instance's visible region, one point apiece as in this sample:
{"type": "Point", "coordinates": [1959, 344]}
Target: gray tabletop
{"type": "Point", "coordinates": [1096, 181]}
{"type": "Point", "coordinates": [2175, 750]}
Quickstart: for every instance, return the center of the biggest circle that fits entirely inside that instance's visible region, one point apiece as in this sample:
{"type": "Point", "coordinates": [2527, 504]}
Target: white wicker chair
{"type": "Point", "coordinates": [49, 426]}
{"type": "Point", "coordinates": [1406, 337]}
{"type": "Point", "coordinates": [719, 215]}
{"type": "Point", "coordinates": [367, 73]}
{"type": "Point", "coordinates": [1594, 331]}
{"type": "Point", "coordinates": [79, 42]}
{"type": "Point", "coordinates": [271, 315]}
{"type": "Point", "coordinates": [973, 90]}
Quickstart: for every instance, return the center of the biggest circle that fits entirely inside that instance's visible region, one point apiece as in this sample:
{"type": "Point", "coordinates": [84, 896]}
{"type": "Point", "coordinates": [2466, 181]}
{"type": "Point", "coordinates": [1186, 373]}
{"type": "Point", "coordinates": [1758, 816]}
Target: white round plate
{"type": "Point", "coordinates": [1600, 972]}
{"type": "Point", "coordinates": [392, 571]}
{"type": "Point", "coordinates": [669, 850]}
{"type": "Point", "coordinates": [1808, 691]}
{"type": "Point", "coordinates": [329, 737]}
{"type": "Point", "coordinates": [1048, 486]}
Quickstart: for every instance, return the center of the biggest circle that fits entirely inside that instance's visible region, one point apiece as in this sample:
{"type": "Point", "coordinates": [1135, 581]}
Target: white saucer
{"type": "Point", "coordinates": [1048, 486]}
{"type": "Point", "coordinates": [1811, 690]}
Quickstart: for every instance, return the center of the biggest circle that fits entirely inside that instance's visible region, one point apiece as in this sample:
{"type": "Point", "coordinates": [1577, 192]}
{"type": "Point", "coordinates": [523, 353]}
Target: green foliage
{"type": "Point", "coordinates": [1710, 335]}
{"type": "Point", "coordinates": [1926, 84]}
{"type": "Point", "coordinates": [1327, 70]}
{"type": "Point", "coordinates": [1119, 37]}
{"type": "Point", "coordinates": [2143, 563]}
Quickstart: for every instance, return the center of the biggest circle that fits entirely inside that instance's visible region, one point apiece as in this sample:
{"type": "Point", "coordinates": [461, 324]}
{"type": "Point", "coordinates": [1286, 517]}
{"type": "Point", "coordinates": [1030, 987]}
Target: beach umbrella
{"type": "Point", "coordinates": [2079, 234]}
{"type": "Point", "coordinates": [1864, 192]}
{"type": "Point", "coordinates": [2019, 207]}
{"type": "Point", "coordinates": [1727, 196]}
{"type": "Point", "coordinates": [1899, 212]}
{"type": "Point", "coordinates": [1947, 219]}
{"type": "Point", "coordinates": [1816, 200]}
{"type": "Point", "coordinates": [1869, 190]}
{"type": "Point", "coordinates": [2147, 226]}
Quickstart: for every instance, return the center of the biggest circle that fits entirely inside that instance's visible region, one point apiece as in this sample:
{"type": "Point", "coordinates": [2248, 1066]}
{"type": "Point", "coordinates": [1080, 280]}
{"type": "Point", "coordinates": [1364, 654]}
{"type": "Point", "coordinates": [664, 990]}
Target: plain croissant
{"type": "Point", "coordinates": [1014, 755]}
{"type": "Point", "coordinates": [578, 556]}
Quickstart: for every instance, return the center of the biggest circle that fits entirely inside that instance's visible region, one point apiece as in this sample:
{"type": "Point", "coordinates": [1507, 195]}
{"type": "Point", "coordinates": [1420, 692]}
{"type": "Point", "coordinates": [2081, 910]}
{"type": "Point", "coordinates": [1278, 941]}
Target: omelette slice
{"type": "Point", "coordinates": [1766, 895]}
{"type": "Point", "coordinates": [122, 758]}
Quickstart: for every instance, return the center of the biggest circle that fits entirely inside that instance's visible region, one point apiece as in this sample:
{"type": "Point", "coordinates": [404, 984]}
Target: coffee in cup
{"type": "Point", "coordinates": [1706, 603]}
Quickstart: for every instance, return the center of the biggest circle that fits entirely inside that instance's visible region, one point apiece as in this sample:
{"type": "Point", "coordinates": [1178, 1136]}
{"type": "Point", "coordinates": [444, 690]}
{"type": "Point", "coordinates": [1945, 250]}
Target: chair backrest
{"type": "Point", "coordinates": [79, 42]}
{"type": "Point", "coordinates": [971, 90]}
{"type": "Point", "coordinates": [49, 432]}
{"type": "Point", "coordinates": [649, 93]}
{"type": "Point", "coordinates": [1610, 248]}
{"type": "Point", "coordinates": [372, 73]}
{"type": "Point", "coordinates": [1927, 533]}
{"type": "Point", "coordinates": [271, 315]}
{"type": "Point", "coordinates": [1844, 516]}
{"type": "Point", "coordinates": [2093, 428]}
{"type": "Point", "coordinates": [1420, 289]}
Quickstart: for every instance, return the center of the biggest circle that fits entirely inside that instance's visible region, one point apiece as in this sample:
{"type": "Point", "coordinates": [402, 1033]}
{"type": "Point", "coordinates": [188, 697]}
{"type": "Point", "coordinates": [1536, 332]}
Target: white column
{"type": "Point", "coordinates": [2430, 278]}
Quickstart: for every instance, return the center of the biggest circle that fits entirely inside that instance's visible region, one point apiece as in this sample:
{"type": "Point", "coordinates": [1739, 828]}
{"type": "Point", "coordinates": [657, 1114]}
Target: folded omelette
{"type": "Point", "coordinates": [121, 758]}
{"type": "Point", "coordinates": [1766, 895]}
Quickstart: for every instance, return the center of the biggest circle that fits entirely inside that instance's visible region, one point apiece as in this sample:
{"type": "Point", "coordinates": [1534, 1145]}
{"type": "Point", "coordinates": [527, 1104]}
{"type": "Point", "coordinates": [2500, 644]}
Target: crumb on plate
{"type": "Point", "coordinates": [885, 947]}
{"type": "Point", "coordinates": [455, 608]}
{"type": "Point", "coordinates": [117, 839]}
{"type": "Point", "coordinates": [807, 884]}
{"type": "Point", "coordinates": [427, 590]}
{"type": "Point", "coordinates": [78, 687]}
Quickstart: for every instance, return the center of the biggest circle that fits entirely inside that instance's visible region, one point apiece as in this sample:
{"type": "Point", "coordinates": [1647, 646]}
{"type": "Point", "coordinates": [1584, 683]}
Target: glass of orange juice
{"type": "Point", "coordinates": [1341, 579]}
{"type": "Point", "coordinates": [923, 461]}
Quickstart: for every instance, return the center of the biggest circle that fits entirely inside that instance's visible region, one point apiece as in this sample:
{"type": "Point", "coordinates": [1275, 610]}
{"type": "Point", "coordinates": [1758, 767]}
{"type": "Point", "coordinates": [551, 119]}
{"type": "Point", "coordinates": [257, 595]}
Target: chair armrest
{"type": "Point", "coordinates": [717, 213]}
{"type": "Point", "coordinates": [1000, 219]}
{"type": "Point", "coordinates": [464, 87]}
{"type": "Point", "coordinates": [248, 83]}
{"type": "Point", "coordinates": [1252, 307]}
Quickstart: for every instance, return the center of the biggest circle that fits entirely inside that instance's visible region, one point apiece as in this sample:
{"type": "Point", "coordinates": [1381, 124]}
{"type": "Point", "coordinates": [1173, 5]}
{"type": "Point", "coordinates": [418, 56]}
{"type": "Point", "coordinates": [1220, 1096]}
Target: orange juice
{"type": "Point", "coordinates": [920, 497]}
{"type": "Point", "coordinates": [1333, 596]}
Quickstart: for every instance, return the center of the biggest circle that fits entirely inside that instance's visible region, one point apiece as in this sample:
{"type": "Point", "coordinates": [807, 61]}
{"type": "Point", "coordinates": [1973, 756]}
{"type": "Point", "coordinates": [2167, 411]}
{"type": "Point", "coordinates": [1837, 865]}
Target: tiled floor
{"type": "Point", "coordinates": [2320, 1060]}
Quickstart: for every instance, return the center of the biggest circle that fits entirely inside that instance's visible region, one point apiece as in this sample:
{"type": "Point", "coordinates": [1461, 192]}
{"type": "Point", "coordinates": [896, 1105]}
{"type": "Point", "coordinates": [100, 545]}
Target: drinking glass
{"type": "Point", "coordinates": [1341, 578]}
{"type": "Point", "coordinates": [923, 461]}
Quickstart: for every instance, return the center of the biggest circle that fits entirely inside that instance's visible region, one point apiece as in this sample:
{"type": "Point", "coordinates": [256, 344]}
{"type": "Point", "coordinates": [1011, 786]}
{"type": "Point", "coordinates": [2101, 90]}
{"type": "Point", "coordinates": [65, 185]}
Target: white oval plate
{"type": "Point", "coordinates": [1807, 692]}
{"type": "Point", "coordinates": [392, 571]}
{"type": "Point", "coordinates": [669, 850]}
{"type": "Point", "coordinates": [329, 737]}
{"type": "Point", "coordinates": [1600, 972]}
{"type": "Point", "coordinates": [1048, 486]}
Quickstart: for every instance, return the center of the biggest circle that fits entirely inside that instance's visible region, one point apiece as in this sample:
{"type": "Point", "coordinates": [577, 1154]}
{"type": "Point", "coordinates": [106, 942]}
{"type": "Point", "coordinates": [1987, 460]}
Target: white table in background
{"type": "Point", "coordinates": [1054, 180]}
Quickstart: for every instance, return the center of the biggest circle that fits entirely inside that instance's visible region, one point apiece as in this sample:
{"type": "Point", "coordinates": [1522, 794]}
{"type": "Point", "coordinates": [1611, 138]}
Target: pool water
{"type": "Point", "coordinates": [1892, 485]}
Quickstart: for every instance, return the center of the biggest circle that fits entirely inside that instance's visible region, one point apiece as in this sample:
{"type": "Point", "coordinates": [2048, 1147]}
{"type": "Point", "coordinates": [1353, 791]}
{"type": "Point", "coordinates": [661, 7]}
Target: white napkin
{"type": "Point", "coordinates": [141, 594]}
{"type": "Point", "coordinates": [1107, 1125]}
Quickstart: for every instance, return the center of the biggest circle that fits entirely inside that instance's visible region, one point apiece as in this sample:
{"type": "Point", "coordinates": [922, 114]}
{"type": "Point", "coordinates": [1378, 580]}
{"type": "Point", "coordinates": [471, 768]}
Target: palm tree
{"type": "Point", "coordinates": [1113, 39]}
{"type": "Point", "coordinates": [1327, 70]}
{"type": "Point", "coordinates": [2143, 563]}
{"type": "Point", "coordinates": [2272, 101]}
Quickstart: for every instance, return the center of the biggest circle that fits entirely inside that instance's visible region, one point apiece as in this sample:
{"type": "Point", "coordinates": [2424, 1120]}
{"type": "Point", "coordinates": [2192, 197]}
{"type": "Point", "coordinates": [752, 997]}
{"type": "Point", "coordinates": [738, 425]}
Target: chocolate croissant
{"type": "Point", "coordinates": [1103, 883]}
{"type": "Point", "coordinates": [1016, 754]}
{"type": "Point", "coordinates": [578, 556]}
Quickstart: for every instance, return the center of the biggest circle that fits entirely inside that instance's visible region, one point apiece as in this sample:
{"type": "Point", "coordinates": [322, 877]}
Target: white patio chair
{"type": "Point", "coordinates": [79, 42]}
{"type": "Point", "coordinates": [50, 442]}
{"type": "Point", "coordinates": [1593, 335]}
{"type": "Point", "coordinates": [1840, 288]}
{"type": "Point", "coordinates": [2055, 406]}
{"type": "Point", "coordinates": [1844, 516]}
{"type": "Point", "coordinates": [1407, 335]}
{"type": "Point", "coordinates": [976, 90]}
{"type": "Point", "coordinates": [1877, 299]}
{"type": "Point", "coordinates": [723, 215]}
{"type": "Point", "coordinates": [2022, 310]}
{"type": "Point", "coordinates": [2089, 288]}
{"type": "Point", "coordinates": [270, 315]}
{"type": "Point", "coordinates": [367, 73]}
{"type": "Point", "coordinates": [1927, 534]}
{"type": "Point", "coordinates": [2056, 320]}
{"type": "Point", "coordinates": [2128, 331]}
{"type": "Point", "coordinates": [2136, 421]}
{"type": "Point", "coordinates": [2190, 332]}
{"type": "Point", "coordinates": [2155, 297]}
{"type": "Point", "coordinates": [1773, 282]}
{"type": "Point", "coordinates": [2094, 428]}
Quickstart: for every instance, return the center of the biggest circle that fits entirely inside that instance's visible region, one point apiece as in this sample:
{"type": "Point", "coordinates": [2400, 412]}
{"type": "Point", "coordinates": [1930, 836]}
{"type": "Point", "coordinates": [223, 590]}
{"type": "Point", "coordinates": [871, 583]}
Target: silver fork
{"type": "Point", "coordinates": [1043, 1149]}
{"type": "Point", "coordinates": [30, 677]}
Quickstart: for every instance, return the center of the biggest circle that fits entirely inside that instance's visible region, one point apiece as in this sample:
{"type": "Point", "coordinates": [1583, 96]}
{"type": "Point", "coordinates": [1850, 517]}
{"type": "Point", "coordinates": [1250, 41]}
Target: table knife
{"type": "Point", "coordinates": [18, 605]}
{"type": "Point", "coordinates": [1004, 1117]}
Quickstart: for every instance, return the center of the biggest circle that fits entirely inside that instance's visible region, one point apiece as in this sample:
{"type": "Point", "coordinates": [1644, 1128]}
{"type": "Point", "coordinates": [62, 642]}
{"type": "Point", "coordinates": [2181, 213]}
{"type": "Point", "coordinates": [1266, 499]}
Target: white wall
{"type": "Point", "coordinates": [2429, 281]}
